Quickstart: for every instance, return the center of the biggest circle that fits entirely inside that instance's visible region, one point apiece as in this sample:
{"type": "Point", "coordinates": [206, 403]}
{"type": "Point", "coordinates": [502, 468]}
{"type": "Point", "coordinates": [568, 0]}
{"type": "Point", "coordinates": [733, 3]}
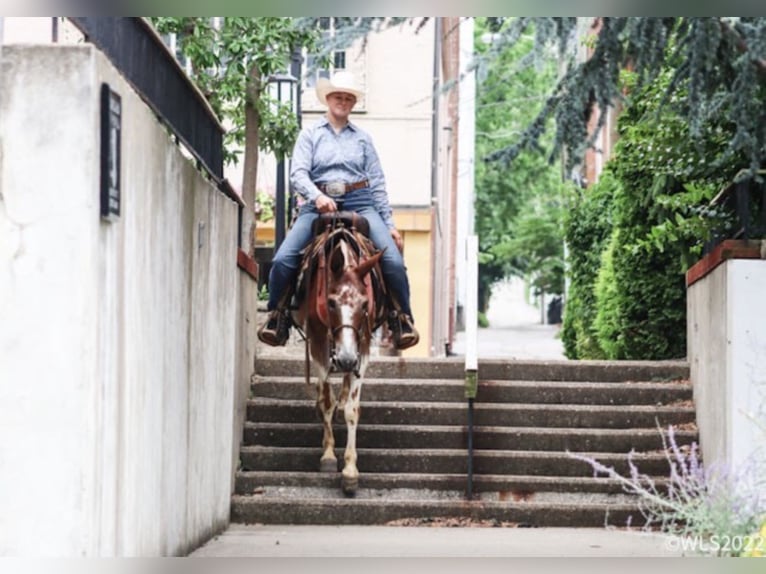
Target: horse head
{"type": "Point", "coordinates": [350, 308]}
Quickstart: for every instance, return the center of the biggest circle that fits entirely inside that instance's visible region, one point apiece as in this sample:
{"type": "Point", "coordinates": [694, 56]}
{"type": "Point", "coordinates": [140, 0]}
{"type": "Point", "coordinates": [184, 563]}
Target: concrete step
{"type": "Point", "coordinates": [450, 461]}
{"type": "Point", "coordinates": [490, 391]}
{"type": "Point", "coordinates": [455, 437]}
{"type": "Point", "coordinates": [497, 369]}
{"type": "Point", "coordinates": [505, 486]}
{"type": "Point", "coordinates": [326, 507]}
{"type": "Point", "coordinates": [536, 415]}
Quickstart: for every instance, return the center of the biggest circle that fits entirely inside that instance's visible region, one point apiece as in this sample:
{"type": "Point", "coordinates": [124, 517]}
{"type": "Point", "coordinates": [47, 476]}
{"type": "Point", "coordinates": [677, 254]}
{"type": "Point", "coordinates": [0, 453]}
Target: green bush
{"type": "Point", "coordinates": [606, 323]}
{"type": "Point", "coordinates": [631, 303]}
{"type": "Point", "coordinates": [587, 227]}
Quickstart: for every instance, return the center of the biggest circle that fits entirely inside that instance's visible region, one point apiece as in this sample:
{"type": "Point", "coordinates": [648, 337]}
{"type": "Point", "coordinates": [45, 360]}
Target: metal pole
{"type": "Point", "coordinates": [279, 229]}
{"type": "Point", "coordinates": [282, 82]}
{"type": "Point", "coordinates": [296, 61]}
{"type": "Point", "coordinates": [471, 344]}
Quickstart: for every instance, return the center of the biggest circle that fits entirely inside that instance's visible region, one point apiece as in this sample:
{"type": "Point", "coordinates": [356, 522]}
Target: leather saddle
{"type": "Point", "coordinates": [348, 219]}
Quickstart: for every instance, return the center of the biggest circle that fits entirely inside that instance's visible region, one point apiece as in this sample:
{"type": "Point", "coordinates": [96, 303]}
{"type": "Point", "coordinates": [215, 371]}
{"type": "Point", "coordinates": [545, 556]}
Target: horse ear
{"type": "Point", "coordinates": [366, 266]}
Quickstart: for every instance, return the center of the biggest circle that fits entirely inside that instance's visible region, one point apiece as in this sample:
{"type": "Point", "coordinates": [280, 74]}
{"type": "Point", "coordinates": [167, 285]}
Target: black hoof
{"type": "Point", "coordinates": [328, 465]}
{"type": "Point", "coordinates": [349, 485]}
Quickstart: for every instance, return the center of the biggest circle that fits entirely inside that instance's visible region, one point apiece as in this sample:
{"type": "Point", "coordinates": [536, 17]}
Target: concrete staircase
{"type": "Point", "coordinates": [412, 441]}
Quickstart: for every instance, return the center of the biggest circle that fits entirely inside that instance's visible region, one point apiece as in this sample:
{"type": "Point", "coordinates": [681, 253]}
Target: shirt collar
{"type": "Point", "coordinates": [325, 122]}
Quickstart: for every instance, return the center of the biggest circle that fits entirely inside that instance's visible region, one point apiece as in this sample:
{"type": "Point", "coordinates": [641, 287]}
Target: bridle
{"type": "Point", "coordinates": [333, 333]}
{"type": "Point", "coordinates": [334, 237]}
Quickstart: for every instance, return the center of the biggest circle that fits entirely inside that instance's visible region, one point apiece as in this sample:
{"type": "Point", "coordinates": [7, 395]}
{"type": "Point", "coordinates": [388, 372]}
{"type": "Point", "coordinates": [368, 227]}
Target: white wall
{"type": "Point", "coordinates": [27, 29]}
{"type": "Point", "coordinates": [117, 340]}
{"type": "Point", "coordinates": [466, 161]}
{"type": "Point", "coordinates": [727, 359]}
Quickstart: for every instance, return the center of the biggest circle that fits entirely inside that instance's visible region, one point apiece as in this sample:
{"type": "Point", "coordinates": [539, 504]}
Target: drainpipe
{"type": "Point", "coordinates": [435, 110]}
{"type": "Point", "coordinates": [435, 221]}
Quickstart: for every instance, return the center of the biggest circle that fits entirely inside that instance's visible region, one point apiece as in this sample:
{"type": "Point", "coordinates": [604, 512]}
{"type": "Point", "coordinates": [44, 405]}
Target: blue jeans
{"type": "Point", "coordinates": [287, 260]}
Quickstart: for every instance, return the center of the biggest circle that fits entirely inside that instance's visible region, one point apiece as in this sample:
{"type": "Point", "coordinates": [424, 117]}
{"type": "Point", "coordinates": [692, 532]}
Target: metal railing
{"type": "Point", "coordinates": [138, 52]}
{"type": "Point", "coordinates": [745, 204]}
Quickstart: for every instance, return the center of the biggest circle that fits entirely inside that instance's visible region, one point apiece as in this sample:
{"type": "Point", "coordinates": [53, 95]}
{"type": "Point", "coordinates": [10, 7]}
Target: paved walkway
{"type": "Point", "coordinates": [268, 541]}
{"type": "Point", "coordinates": [515, 330]}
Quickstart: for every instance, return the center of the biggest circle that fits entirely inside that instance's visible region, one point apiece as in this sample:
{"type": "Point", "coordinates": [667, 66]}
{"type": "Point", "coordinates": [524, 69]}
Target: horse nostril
{"type": "Point", "coordinates": [347, 362]}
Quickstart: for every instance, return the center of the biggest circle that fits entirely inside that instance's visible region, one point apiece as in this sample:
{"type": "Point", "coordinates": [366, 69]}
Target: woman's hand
{"type": "Point", "coordinates": [397, 239]}
{"type": "Point", "coordinates": [325, 204]}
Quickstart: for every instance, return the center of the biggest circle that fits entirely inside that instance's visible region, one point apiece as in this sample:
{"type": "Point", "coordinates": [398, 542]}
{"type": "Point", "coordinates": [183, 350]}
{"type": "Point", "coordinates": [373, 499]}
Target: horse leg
{"type": "Point", "coordinates": [326, 407]}
{"type": "Point", "coordinates": [342, 398]}
{"type": "Point", "coordinates": [350, 474]}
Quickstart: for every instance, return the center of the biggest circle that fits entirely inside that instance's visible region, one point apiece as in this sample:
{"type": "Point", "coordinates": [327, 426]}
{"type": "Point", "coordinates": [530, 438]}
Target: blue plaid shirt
{"type": "Point", "coordinates": [322, 156]}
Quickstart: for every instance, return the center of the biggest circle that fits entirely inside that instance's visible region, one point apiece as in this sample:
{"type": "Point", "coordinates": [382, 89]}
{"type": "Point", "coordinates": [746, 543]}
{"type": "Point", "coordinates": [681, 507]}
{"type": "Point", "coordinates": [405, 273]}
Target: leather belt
{"type": "Point", "coordinates": [336, 188]}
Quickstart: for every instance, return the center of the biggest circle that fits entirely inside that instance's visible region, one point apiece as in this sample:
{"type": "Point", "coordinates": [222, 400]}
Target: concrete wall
{"type": "Point", "coordinates": [727, 359]}
{"type": "Point", "coordinates": [117, 340]}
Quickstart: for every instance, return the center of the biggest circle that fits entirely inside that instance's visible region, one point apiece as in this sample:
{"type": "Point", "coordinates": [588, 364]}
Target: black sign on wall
{"type": "Point", "coordinates": [111, 144]}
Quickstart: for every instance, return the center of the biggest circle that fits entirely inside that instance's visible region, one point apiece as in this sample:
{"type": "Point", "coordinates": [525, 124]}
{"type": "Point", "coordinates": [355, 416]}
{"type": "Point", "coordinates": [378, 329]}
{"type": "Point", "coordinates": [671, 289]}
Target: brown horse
{"type": "Point", "coordinates": [339, 310]}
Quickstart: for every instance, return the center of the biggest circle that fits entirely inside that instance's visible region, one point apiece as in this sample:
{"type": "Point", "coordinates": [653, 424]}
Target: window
{"type": "Point", "coordinates": [327, 25]}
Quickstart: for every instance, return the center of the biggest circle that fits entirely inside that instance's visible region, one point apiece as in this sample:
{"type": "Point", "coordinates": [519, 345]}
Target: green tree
{"type": "Point", "coordinates": [517, 202]}
{"type": "Point", "coordinates": [231, 62]}
{"type": "Point", "coordinates": [536, 250]}
{"type": "Point", "coordinates": [658, 184]}
{"type": "Point", "coordinates": [719, 61]}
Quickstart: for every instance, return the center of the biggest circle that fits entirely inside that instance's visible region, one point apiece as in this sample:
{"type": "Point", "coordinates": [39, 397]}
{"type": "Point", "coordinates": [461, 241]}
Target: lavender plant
{"type": "Point", "coordinates": [704, 502]}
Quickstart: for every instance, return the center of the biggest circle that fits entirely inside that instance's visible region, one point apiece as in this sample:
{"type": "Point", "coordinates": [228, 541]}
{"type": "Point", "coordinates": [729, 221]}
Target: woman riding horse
{"type": "Point", "coordinates": [335, 165]}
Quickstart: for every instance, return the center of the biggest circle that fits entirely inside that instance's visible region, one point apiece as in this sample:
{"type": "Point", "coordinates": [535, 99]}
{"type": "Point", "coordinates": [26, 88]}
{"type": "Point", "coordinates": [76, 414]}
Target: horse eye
{"type": "Point", "coordinates": [331, 303]}
{"type": "Point", "coordinates": [365, 305]}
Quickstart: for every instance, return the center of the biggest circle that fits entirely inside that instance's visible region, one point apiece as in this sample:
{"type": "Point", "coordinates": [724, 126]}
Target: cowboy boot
{"type": "Point", "coordinates": [276, 329]}
{"type": "Point", "coordinates": [403, 332]}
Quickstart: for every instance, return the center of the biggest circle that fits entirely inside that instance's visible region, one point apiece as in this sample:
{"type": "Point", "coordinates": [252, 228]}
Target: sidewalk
{"type": "Point", "coordinates": [514, 331]}
{"type": "Point", "coordinates": [268, 541]}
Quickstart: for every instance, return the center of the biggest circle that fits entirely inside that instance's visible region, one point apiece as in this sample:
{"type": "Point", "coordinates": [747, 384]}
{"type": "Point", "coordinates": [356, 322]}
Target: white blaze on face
{"type": "Point", "coordinates": [347, 336]}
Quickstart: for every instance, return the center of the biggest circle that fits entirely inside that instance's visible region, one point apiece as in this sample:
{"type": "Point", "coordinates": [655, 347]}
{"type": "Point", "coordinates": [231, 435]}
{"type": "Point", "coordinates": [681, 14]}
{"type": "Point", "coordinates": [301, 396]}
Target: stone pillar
{"type": "Point", "coordinates": [727, 350]}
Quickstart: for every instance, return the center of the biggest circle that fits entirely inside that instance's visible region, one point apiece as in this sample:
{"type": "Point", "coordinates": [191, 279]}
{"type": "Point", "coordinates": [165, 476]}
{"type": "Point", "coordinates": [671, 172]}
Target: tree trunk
{"type": "Point", "coordinates": [250, 176]}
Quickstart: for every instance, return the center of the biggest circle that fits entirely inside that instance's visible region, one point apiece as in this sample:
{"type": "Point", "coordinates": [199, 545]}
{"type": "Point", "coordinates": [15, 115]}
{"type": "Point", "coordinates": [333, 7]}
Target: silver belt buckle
{"type": "Point", "coordinates": [336, 188]}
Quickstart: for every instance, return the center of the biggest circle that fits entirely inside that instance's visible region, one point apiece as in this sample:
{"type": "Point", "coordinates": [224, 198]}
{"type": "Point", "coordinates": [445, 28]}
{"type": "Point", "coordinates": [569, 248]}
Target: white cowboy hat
{"type": "Point", "coordinates": [340, 82]}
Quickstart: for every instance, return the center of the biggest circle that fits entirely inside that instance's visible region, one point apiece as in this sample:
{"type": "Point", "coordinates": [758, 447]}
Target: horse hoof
{"type": "Point", "coordinates": [349, 485]}
{"type": "Point", "coordinates": [328, 465]}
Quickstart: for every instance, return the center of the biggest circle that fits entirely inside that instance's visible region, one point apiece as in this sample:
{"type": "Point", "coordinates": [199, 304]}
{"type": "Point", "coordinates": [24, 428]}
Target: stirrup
{"type": "Point", "coordinates": [403, 332]}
